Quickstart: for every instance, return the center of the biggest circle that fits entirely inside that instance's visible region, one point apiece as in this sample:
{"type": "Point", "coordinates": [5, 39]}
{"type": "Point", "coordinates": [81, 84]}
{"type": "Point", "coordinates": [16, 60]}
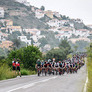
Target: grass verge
{"type": "Point", "coordinates": [89, 66]}
{"type": "Point", "coordinates": [7, 73]}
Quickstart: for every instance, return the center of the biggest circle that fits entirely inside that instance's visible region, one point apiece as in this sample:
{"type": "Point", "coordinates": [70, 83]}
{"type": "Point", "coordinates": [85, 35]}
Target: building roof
{"type": "Point", "coordinates": [6, 44]}
{"type": "Point", "coordinates": [79, 39]}
{"type": "Point", "coordinates": [15, 27]}
{"type": "Point", "coordinates": [82, 30]}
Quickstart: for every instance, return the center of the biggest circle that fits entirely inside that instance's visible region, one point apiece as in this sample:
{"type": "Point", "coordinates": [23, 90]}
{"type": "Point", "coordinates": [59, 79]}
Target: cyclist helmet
{"type": "Point", "coordinates": [59, 61]}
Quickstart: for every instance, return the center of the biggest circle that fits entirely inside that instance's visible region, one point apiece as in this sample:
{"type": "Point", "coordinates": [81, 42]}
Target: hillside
{"type": "Point", "coordinates": [21, 14]}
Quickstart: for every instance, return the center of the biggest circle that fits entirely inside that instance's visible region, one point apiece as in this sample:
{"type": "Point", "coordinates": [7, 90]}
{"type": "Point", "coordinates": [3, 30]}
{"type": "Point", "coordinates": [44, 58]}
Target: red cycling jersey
{"type": "Point", "coordinates": [14, 64]}
{"type": "Point", "coordinates": [17, 64]}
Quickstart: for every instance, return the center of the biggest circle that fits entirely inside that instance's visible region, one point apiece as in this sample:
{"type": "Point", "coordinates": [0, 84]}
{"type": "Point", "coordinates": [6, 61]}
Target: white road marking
{"type": "Point", "coordinates": [32, 84]}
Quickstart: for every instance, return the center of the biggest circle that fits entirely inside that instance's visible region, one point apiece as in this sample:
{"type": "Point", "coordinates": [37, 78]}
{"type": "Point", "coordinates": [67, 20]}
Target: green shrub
{"type": "Point", "coordinates": [27, 72]}
{"type": "Point", "coordinates": [24, 72]}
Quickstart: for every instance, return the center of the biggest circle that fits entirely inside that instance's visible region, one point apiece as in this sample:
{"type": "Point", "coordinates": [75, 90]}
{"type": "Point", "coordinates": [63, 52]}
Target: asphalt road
{"type": "Point", "coordinates": [64, 83]}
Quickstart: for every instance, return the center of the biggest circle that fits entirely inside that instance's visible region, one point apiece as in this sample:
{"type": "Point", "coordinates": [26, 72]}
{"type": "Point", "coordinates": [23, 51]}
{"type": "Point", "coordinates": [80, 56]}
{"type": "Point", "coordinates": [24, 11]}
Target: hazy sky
{"type": "Point", "coordinates": [73, 8]}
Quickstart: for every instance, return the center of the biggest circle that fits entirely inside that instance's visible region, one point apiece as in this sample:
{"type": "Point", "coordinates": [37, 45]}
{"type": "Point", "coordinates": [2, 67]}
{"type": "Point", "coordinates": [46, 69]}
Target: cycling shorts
{"type": "Point", "coordinates": [14, 68]}
{"type": "Point", "coordinates": [18, 68]}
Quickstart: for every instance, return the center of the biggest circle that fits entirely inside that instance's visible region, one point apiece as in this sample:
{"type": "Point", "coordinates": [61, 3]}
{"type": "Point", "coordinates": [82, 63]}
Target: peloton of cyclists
{"type": "Point", "coordinates": [60, 67]}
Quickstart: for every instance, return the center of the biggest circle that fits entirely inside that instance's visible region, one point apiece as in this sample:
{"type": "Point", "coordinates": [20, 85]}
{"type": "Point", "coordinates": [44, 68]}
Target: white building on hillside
{"type": "Point", "coordinates": [35, 38]}
{"type": "Point", "coordinates": [39, 13]}
{"type": "Point", "coordinates": [89, 26]}
{"type": "Point", "coordinates": [24, 39]}
{"type": "Point", "coordinates": [56, 14]}
{"type": "Point", "coordinates": [33, 31]}
{"type": "Point", "coordinates": [64, 33]}
{"type": "Point", "coordinates": [82, 32]}
{"type": "Point", "coordinates": [71, 25]}
{"type": "Point", "coordinates": [1, 12]}
{"type": "Point", "coordinates": [64, 22]}
{"type": "Point", "coordinates": [54, 23]}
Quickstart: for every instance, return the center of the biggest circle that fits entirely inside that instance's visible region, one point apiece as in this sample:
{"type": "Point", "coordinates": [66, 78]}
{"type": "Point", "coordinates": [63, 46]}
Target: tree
{"type": "Point", "coordinates": [66, 46]}
{"type": "Point", "coordinates": [58, 54]}
{"type": "Point", "coordinates": [75, 47]}
{"type": "Point", "coordinates": [42, 8]}
{"type": "Point", "coordinates": [43, 42]}
{"type": "Point", "coordinates": [27, 56]}
{"type": "Point", "coordinates": [16, 43]}
{"type": "Point", "coordinates": [82, 45]}
{"type": "Point", "coordinates": [64, 43]}
{"type": "Point", "coordinates": [31, 54]}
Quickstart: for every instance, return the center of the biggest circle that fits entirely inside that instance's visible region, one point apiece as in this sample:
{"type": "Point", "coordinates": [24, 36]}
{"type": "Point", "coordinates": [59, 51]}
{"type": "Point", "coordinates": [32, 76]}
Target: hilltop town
{"type": "Point", "coordinates": [31, 25]}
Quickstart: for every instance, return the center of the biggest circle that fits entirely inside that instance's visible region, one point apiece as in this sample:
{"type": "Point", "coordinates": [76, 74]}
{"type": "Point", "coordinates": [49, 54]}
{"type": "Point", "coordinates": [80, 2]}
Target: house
{"type": "Point", "coordinates": [3, 36]}
{"type": "Point", "coordinates": [82, 32]}
{"type": "Point", "coordinates": [9, 23]}
{"type": "Point", "coordinates": [54, 23]}
{"type": "Point", "coordinates": [71, 25]}
{"type": "Point", "coordinates": [47, 47]}
{"type": "Point", "coordinates": [39, 13]}
{"type": "Point", "coordinates": [24, 39]}
{"type": "Point", "coordinates": [59, 36]}
{"type": "Point", "coordinates": [56, 14]}
{"type": "Point", "coordinates": [6, 44]}
{"type": "Point", "coordinates": [89, 26]}
{"type": "Point", "coordinates": [35, 38]}
{"type": "Point", "coordinates": [33, 8]}
{"type": "Point", "coordinates": [37, 44]}
{"type": "Point", "coordinates": [49, 13]}
{"type": "Point", "coordinates": [66, 33]}
{"type": "Point", "coordinates": [28, 42]}
{"type": "Point", "coordinates": [1, 12]}
{"type": "Point", "coordinates": [64, 22]}
{"type": "Point", "coordinates": [32, 31]}
{"type": "Point", "coordinates": [14, 28]}
{"type": "Point", "coordinates": [90, 33]}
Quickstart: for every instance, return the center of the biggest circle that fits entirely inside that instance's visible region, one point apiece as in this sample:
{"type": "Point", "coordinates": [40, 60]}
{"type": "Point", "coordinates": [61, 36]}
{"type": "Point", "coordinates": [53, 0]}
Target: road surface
{"type": "Point", "coordinates": [64, 83]}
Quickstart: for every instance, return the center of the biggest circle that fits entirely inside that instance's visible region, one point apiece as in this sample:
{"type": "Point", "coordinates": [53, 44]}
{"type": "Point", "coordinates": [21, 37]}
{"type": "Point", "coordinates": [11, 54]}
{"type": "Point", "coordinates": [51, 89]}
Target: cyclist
{"type": "Point", "coordinates": [38, 66]}
{"type": "Point", "coordinates": [60, 68]}
{"type": "Point", "coordinates": [56, 67]}
{"type": "Point", "coordinates": [45, 66]}
{"type": "Point", "coordinates": [49, 66]}
{"type": "Point", "coordinates": [18, 67]}
{"type": "Point", "coordinates": [42, 66]}
{"type": "Point", "coordinates": [73, 67]}
{"type": "Point", "coordinates": [67, 67]}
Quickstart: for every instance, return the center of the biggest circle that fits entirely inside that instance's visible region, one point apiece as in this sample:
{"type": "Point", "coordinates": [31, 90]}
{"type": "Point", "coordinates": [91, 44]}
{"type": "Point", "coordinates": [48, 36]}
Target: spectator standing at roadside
{"type": "Point", "coordinates": [18, 67]}
{"type": "Point", "coordinates": [14, 65]}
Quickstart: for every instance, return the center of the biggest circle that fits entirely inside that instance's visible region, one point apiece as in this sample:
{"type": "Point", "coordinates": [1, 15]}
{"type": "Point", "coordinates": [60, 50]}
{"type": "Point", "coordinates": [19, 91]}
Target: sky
{"type": "Point", "coordinates": [73, 8]}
